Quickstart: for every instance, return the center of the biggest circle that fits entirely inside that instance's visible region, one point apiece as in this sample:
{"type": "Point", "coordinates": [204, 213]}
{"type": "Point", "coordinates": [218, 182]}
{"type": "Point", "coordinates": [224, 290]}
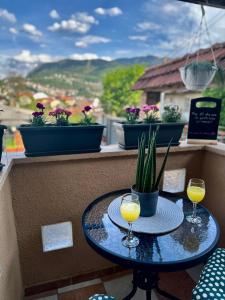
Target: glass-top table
{"type": "Point", "coordinates": [185, 247]}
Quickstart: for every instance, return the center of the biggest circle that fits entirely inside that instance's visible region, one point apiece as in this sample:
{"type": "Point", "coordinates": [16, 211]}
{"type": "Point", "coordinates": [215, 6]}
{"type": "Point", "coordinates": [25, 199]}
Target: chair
{"type": "Point", "coordinates": [101, 297]}
{"type": "Point", "coordinates": [211, 285]}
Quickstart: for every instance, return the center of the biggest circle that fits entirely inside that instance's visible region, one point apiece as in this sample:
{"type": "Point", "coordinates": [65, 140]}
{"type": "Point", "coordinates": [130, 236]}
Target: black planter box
{"type": "Point", "coordinates": [2, 128]}
{"type": "Point", "coordinates": [55, 140]}
{"type": "Point", "coordinates": [128, 134]}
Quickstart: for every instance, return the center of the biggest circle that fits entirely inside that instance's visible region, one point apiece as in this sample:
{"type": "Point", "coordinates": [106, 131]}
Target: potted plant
{"type": "Point", "coordinates": [130, 131]}
{"type": "Point", "coordinates": [198, 75]}
{"type": "Point", "coordinates": [2, 128]}
{"type": "Point", "coordinates": [147, 181]}
{"type": "Point", "coordinates": [60, 137]}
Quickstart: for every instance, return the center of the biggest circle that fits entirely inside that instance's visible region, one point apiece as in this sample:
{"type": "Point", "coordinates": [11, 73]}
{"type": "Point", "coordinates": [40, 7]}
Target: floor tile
{"type": "Point", "coordinates": [79, 285]}
{"type": "Point", "coordinates": [179, 284]}
{"type": "Point", "coordinates": [83, 293]}
{"type": "Point", "coordinates": [195, 272]}
{"type": "Point", "coordinates": [44, 295]}
{"type": "Point", "coordinates": [54, 297]}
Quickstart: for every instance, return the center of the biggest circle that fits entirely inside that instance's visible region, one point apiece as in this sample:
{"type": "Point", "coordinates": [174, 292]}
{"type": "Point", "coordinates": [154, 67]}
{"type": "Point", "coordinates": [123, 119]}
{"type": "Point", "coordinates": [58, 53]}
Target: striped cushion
{"type": "Point", "coordinates": [211, 285]}
{"type": "Point", "coordinates": [101, 297]}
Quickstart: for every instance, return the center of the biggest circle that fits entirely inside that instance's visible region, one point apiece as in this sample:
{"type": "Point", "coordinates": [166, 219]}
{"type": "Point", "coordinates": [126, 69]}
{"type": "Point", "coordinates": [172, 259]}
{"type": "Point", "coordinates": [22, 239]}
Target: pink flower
{"type": "Point", "coordinates": [146, 108]}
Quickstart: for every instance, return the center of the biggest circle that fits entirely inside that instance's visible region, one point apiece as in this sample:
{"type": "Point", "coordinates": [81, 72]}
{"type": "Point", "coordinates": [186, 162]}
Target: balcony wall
{"type": "Point", "coordinates": [10, 275]}
{"type": "Point", "coordinates": [55, 189]}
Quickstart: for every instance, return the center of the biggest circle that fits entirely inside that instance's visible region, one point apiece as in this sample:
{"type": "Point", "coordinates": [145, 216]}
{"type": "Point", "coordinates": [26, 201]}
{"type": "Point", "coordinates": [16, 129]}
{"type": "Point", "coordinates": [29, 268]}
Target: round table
{"type": "Point", "coordinates": [180, 249]}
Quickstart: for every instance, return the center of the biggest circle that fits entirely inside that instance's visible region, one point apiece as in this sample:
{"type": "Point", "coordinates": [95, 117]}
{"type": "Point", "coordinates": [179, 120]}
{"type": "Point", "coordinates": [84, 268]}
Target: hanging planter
{"type": "Point", "coordinates": [197, 76]}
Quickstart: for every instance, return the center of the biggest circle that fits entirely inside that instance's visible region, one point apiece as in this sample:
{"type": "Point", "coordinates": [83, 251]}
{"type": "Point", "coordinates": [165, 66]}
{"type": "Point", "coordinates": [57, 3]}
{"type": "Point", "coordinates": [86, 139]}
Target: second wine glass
{"type": "Point", "coordinates": [196, 193]}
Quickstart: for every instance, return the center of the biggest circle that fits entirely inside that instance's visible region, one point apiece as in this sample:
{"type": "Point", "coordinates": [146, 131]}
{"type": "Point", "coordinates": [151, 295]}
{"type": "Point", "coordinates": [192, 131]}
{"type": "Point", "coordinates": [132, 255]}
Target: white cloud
{"type": "Point", "coordinates": [89, 56]}
{"type": "Point", "coordinates": [13, 30]}
{"type": "Point", "coordinates": [114, 11]}
{"type": "Point", "coordinates": [170, 8]}
{"type": "Point", "coordinates": [142, 38]}
{"type": "Point", "coordinates": [32, 31]}
{"type": "Point", "coordinates": [28, 57]}
{"type": "Point", "coordinates": [6, 15]}
{"type": "Point", "coordinates": [144, 26]}
{"type": "Point", "coordinates": [54, 14]}
{"type": "Point", "coordinates": [91, 39]}
{"type": "Point", "coordinates": [80, 22]}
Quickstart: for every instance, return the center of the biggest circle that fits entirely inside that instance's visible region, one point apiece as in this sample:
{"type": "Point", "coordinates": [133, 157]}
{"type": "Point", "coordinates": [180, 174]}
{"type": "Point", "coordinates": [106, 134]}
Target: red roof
{"type": "Point", "coordinates": [167, 75]}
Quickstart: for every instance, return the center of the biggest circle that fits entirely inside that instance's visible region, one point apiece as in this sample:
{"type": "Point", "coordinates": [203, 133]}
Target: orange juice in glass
{"type": "Point", "coordinates": [130, 212]}
{"type": "Point", "coordinates": [196, 193]}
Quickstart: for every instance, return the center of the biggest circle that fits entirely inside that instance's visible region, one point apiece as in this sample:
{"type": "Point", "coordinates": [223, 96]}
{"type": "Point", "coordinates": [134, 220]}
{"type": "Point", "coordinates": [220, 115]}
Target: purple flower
{"type": "Point", "coordinates": [37, 114]}
{"type": "Point", "coordinates": [52, 113]}
{"type": "Point", "coordinates": [67, 113]}
{"type": "Point", "coordinates": [40, 106]}
{"type": "Point", "coordinates": [135, 110]}
{"type": "Point", "coordinates": [87, 108]}
{"type": "Point", "coordinates": [59, 111]}
{"type": "Point", "coordinates": [128, 110]}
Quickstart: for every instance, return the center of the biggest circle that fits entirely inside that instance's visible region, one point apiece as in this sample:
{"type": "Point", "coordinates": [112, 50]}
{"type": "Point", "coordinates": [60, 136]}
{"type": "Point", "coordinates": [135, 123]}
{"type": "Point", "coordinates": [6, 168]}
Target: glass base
{"type": "Point", "coordinates": [130, 242]}
{"type": "Point", "coordinates": [196, 220]}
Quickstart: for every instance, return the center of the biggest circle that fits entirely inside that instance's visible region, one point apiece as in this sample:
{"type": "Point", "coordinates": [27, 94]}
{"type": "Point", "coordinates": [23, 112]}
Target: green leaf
{"type": "Point", "coordinates": [163, 166]}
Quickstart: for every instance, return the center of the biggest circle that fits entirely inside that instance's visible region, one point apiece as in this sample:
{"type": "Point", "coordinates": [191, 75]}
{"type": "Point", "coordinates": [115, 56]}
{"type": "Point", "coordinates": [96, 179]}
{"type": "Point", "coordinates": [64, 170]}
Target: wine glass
{"type": "Point", "coordinates": [196, 193]}
{"type": "Point", "coordinates": [130, 211]}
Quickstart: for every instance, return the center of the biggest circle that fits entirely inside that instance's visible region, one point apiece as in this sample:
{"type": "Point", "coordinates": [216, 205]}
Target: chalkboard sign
{"type": "Point", "coordinates": [204, 120]}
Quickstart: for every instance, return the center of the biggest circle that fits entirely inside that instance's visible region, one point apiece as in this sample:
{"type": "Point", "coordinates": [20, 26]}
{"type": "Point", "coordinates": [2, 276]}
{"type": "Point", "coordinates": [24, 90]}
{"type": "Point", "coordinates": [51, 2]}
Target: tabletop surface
{"type": "Point", "coordinates": [184, 247]}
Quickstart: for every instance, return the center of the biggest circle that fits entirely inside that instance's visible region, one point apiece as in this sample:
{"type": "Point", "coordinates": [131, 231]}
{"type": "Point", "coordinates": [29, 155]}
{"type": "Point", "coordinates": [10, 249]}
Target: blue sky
{"type": "Point", "coordinates": [47, 30]}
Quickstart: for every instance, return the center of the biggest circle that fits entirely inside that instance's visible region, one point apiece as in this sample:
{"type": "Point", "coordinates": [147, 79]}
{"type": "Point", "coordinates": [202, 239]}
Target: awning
{"type": "Point", "coordinates": [215, 3]}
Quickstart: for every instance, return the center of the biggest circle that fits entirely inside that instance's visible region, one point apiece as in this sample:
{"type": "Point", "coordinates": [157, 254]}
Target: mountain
{"type": "Point", "coordinates": [82, 78]}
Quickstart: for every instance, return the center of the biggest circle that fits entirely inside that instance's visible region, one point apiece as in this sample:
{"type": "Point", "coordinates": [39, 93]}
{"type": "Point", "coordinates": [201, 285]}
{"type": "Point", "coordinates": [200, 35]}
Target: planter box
{"type": "Point", "coordinates": [128, 134]}
{"type": "Point", "coordinates": [56, 140]}
{"type": "Point", "coordinates": [2, 128]}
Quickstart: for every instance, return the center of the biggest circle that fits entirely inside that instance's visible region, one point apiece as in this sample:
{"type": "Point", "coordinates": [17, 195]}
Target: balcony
{"type": "Point", "coordinates": [36, 192]}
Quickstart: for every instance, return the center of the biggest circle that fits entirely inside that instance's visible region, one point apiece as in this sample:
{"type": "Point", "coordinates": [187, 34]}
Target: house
{"type": "Point", "coordinates": [162, 84]}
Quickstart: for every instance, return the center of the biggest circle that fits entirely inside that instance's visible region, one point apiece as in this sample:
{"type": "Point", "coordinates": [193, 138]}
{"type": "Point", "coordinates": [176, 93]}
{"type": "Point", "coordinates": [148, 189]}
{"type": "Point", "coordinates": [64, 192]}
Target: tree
{"type": "Point", "coordinates": [218, 92]}
{"type": "Point", "coordinates": [117, 93]}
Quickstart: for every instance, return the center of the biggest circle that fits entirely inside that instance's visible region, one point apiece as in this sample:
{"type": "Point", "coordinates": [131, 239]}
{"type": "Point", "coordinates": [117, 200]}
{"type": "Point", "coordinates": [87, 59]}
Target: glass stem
{"type": "Point", "coordinates": [130, 233]}
{"type": "Point", "coordinates": [194, 210]}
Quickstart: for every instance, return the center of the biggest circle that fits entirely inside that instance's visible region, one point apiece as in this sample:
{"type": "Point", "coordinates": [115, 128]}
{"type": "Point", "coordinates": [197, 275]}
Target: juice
{"type": "Point", "coordinates": [130, 211]}
{"type": "Point", "coordinates": [195, 193]}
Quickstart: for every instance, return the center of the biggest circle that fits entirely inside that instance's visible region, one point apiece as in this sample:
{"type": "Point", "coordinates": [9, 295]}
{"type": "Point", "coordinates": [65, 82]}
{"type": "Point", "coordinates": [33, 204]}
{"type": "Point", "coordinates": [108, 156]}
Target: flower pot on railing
{"type": "Point", "coordinates": [197, 76]}
{"type": "Point", "coordinates": [128, 134]}
{"type": "Point", "coordinates": [56, 140]}
{"type": "Point", "coordinates": [62, 137]}
{"type": "Point", "coordinates": [2, 128]}
{"type": "Point", "coordinates": [171, 128]}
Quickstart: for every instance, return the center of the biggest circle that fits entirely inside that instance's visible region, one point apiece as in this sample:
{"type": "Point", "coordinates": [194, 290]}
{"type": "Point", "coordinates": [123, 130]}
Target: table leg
{"type": "Point", "coordinates": [132, 293]}
{"type": "Point", "coordinates": [148, 295]}
{"type": "Point", "coordinates": [147, 281]}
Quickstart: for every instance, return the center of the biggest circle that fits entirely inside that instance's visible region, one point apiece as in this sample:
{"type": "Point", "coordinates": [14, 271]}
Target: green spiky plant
{"type": "Point", "coordinates": [147, 180]}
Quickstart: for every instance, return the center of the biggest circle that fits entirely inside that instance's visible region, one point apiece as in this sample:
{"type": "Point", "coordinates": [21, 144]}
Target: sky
{"type": "Point", "coordinates": [33, 32]}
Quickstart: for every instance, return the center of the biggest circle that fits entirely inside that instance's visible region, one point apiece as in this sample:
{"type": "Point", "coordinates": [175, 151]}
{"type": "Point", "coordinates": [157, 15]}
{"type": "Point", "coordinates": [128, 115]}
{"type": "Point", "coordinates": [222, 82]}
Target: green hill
{"type": "Point", "coordinates": [82, 78]}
